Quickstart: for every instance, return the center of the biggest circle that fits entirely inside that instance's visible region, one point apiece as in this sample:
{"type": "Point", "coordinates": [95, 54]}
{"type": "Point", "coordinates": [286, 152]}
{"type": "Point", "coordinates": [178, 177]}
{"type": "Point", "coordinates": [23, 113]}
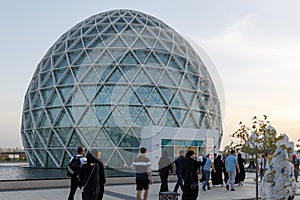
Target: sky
{"type": "Point", "coordinates": [254, 44]}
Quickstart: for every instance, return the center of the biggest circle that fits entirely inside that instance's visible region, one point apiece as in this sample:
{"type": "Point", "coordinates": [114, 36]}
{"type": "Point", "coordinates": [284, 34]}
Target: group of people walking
{"type": "Point", "coordinates": [279, 179]}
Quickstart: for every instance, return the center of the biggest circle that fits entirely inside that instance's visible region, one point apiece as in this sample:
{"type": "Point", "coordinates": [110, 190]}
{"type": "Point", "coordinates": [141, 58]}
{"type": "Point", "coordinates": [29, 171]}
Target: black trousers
{"type": "Point", "coordinates": [164, 183]}
{"type": "Point", "coordinates": [74, 185]}
{"type": "Point", "coordinates": [101, 191]}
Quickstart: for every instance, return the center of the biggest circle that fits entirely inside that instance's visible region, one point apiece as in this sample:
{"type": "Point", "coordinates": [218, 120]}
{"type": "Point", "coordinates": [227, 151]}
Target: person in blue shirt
{"type": "Point", "coordinates": [206, 171]}
{"type": "Point", "coordinates": [231, 165]}
{"type": "Point", "coordinates": [178, 170]}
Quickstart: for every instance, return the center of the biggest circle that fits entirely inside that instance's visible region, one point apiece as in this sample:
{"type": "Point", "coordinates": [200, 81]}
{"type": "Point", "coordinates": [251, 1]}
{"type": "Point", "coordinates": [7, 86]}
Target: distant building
{"type": "Point", "coordinates": [117, 81]}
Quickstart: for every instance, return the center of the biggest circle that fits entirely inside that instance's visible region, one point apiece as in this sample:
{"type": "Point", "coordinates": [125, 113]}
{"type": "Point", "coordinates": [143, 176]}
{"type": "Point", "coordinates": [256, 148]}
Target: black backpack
{"type": "Point", "coordinates": [73, 168]}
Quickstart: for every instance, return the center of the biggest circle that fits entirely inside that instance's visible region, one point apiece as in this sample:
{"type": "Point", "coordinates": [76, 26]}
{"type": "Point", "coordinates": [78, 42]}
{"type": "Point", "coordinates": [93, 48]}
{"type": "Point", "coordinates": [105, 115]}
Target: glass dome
{"type": "Point", "coordinates": [105, 79]}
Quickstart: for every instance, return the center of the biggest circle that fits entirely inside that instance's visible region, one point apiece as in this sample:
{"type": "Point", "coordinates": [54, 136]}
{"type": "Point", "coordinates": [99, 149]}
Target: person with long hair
{"type": "Point", "coordinates": [216, 176]}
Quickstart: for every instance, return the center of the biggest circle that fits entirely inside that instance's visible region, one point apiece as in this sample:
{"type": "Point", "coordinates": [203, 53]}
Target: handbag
{"type": "Point", "coordinates": [194, 185]}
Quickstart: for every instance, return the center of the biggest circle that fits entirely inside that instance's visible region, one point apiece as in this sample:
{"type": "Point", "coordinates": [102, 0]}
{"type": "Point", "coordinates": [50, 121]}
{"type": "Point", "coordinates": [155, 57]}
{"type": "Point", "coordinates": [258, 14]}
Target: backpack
{"type": "Point", "coordinates": [73, 168]}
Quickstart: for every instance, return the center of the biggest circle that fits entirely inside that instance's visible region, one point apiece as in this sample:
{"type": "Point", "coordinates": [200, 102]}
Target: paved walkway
{"type": "Point", "coordinates": [127, 192]}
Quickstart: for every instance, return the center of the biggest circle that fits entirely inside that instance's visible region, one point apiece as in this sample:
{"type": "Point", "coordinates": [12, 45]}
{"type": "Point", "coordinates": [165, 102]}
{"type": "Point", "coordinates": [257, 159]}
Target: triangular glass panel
{"type": "Point", "coordinates": [152, 60]}
{"type": "Point", "coordinates": [164, 57]}
{"type": "Point", "coordinates": [129, 30]}
{"type": "Point", "coordinates": [191, 68]}
{"type": "Point", "coordinates": [172, 64]}
{"type": "Point", "coordinates": [177, 76]}
{"type": "Point", "coordinates": [28, 118]}
{"type": "Point", "coordinates": [155, 98]}
{"type": "Point", "coordinates": [179, 50]}
{"type": "Point", "coordinates": [129, 39]}
{"type": "Point", "coordinates": [89, 134]}
{"type": "Point", "coordinates": [143, 92]}
{"type": "Point", "coordinates": [63, 62]}
{"type": "Point", "coordinates": [189, 122]}
{"type": "Point", "coordinates": [60, 47]}
{"type": "Point", "coordinates": [129, 141]}
{"type": "Point", "coordinates": [150, 41]}
{"type": "Point", "coordinates": [147, 32]}
{"type": "Point", "coordinates": [116, 161]}
{"type": "Point", "coordinates": [117, 117]}
{"type": "Point", "coordinates": [79, 71]}
{"type": "Point", "coordinates": [36, 114]}
{"type": "Point", "coordinates": [120, 21]}
{"type": "Point", "coordinates": [102, 26]}
{"type": "Point", "coordinates": [54, 100]}
{"type": "Point", "coordinates": [180, 61]}
{"type": "Point", "coordinates": [55, 59]}
{"type": "Point", "coordinates": [54, 141]}
{"type": "Point", "coordinates": [76, 112]}
{"type": "Point", "coordinates": [193, 80]}
{"type": "Point", "coordinates": [75, 34]}
{"type": "Point", "coordinates": [107, 39]}
{"type": "Point", "coordinates": [72, 55]}
{"type": "Point", "coordinates": [70, 42]}
{"type": "Point", "coordinates": [83, 59]}
{"type": "Point", "coordinates": [130, 98]}
{"type": "Point", "coordinates": [164, 36]}
{"type": "Point", "coordinates": [89, 91]}
{"type": "Point", "coordinates": [156, 113]}
{"type": "Point", "coordinates": [64, 133]}
{"type": "Point", "coordinates": [97, 42]}
{"type": "Point", "coordinates": [143, 118]}
{"type": "Point", "coordinates": [166, 80]}
{"type": "Point", "coordinates": [102, 112]}
{"type": "Point", "coordinates": [76, 45]}
{"type": "Point", "coordinates": [118, 42]}
{"type": "Point", "coordinates": [64, 120]}
{"type": "Point", "coordinates": [129, 71]}
{"type": "Point", "coordinates": [117, 77]}
{"type": "Point", "coordinates": [53, 112]}
{"type": "Point", "coordinates": [185, 83]}
{"type": "Point", "coordinates": [155, 73]}
{"type": "Point", "coordinates": [141, 55]}
{"type": "Point", "coordinates": [45, 133]}
{"type": "Point", "coordinates": [179, 114]}
{"type": "Point", "coordinates": [142, 78]}
{"type": "Point", "coordinates": [178, 101]}
{"type": "Point", "coordinates": [87, 39]}
{"type": "Point", "coordinates": [102, 97]}
{"type": "Point", "coordinates": [197, 104]}
{"type": "Point", "coordinates": [116, 92]}
{"type": "Point", "coordinates": [118, 53]}
{"type": "Point", "coordinates": [169, 120]}
{"type": "Point", "coordinates": [128, 17]}
{"type": "Point", "coordinates": [189, 96]}
{"type": "Point", "coordinates": [110, 30]}
{"type": "Point", "coordinates": [102, 140]}
{"type": "Point", "coordinates": [129, 155]}
{"type": "Point", "coordinates": [57, 74]}
{"type": "Point", "coordinates": [94, 54]}
{"type": "Point", "coordinates": [92, 31]}
{"type": "Point", "coordinates": [168, 93]}
{"type": "Point", "coordinates": [119, 27]}
{"type": "Point", "coordinates": [44, 122]}
{"type": "Point", "coordinates": [113, 18]}
{"type": "Point", "coordinates": [129, 59]}
{"type": "Point", "coordinates": [37, 101]}
{"type": "Point", "coordinates": [67, 79]}
{"type": "Point", "coordinates": [105, 58]}
{"type": "Point", "coordinates": [43, 77]}
{"type": "Point", "coordinates": [41, 153]}
{"type": "Point", "coordinates": [91, 77]}
{"type": "Point", "coordinates": [139, 44]}
{"type": "Point", "coordinates": [114, 132]}
{"type": "Point", "coordinates": [199, 117]}
{"type": "Point", "coordinates": [46, 93]}
{"type": "Point", "coordinates": [77, 98]}
{"type": "Point", "coordinates": [89, 119]}
{"type": "Point", "coordinates": [160, 46]}
{"type": "Point", "coordinates": [75, 140]}
{"type": "Point", "coordinates": [50, 162]}
{"type": "Point", "coordinates": [65, 92]}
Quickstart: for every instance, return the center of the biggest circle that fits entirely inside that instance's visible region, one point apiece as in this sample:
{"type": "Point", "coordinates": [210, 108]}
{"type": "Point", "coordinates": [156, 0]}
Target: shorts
{"type": "Point", "coordinates": [142, 184]}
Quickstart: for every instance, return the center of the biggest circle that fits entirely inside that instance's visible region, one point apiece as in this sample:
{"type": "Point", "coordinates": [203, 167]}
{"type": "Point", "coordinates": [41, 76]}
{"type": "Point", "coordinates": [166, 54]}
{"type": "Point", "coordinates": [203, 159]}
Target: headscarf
{"type": "Point", "coordinates": [278, 181]}
{"type": "Point", "coordinates": [189, 153]}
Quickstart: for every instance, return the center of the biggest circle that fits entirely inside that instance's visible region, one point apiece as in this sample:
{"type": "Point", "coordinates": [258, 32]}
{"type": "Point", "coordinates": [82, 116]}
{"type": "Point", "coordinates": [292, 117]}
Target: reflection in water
{"type": "Point", "coordinates": [17, 171]}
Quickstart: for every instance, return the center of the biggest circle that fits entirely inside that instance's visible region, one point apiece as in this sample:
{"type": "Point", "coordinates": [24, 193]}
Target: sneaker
{"type": "Point", "coordinates": [232, 189]}
{"type": "Point", "coordinates": [227, 187]}
{"type": "Point", "coordinates": [203, 189]}
{"type": "Point", "coordinates": [209, 188]}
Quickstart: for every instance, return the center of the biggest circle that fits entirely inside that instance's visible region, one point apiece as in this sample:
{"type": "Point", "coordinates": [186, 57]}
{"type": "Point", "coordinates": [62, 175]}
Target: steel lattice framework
{"type": "Point", "coordinates": [105, 79]}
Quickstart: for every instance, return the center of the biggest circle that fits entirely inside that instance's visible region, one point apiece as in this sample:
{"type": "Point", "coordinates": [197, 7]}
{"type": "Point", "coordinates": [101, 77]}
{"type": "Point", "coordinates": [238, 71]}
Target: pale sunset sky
{"type": "Point", "coordinates": [254, 44]}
